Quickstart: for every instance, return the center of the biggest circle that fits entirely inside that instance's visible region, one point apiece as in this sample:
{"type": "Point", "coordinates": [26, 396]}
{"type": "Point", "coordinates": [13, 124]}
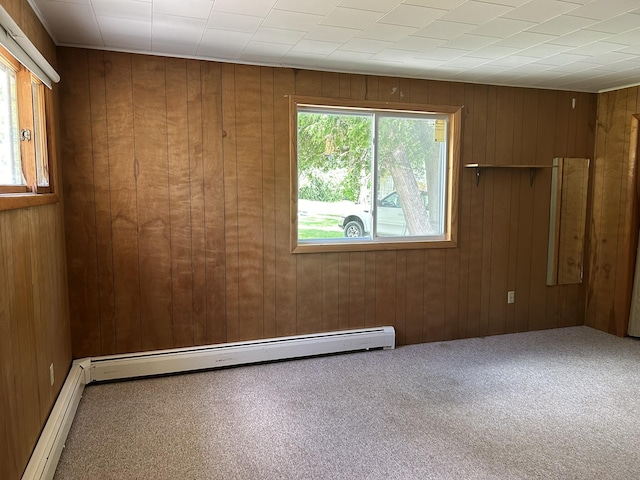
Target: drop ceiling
{"type": "Point", "coordinates": [582, 45]}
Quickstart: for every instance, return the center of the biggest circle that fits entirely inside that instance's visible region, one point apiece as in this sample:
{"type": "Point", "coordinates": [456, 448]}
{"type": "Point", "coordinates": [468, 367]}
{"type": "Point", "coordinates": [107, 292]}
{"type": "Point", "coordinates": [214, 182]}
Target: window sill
{"type": "Point", "coordinates": [12, 201]}
{"type": "Point", "coordinates": [319, 247]}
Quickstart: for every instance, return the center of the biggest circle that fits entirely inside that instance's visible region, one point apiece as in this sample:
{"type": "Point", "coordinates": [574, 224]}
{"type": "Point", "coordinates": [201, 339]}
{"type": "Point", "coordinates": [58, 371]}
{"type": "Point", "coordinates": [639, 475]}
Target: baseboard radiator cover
{"type": "Point", "coordinates": [44, 459]}
{"type": "Point", "coordinates": [162, 362]}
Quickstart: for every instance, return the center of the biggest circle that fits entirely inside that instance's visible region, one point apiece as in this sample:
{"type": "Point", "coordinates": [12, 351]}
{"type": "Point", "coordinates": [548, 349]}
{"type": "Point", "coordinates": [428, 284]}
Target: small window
{"type": "Point", "coordinates": [373, 176]}
{"type": "Point", "coordinates": [24, 165]}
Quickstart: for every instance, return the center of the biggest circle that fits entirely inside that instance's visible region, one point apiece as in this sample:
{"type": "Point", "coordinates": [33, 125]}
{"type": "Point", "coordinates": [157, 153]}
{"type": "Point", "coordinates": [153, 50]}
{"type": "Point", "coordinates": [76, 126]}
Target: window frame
{"type": "Point", "coordinates": [450, 237]}
{"type": "Point", "coordinates": [36, 154]}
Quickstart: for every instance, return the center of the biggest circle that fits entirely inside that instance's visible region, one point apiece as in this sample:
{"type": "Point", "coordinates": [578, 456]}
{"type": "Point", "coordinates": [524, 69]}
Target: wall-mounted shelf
{"type": "Point", "coordinates": [480, 166]}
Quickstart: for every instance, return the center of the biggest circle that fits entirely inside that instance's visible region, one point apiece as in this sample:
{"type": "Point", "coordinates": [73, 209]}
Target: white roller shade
{"type": "Point", "coordinates": [17, 43]}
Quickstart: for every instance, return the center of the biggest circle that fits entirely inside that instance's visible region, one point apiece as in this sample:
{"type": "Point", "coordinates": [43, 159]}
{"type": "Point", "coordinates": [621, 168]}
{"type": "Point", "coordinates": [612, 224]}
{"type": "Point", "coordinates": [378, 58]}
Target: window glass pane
{"type": "Point", "coordinates": [40, 138]}
{"type": "Point", "coordinates": [334, 175]}
{"type": "Point", "coordinates": [410, 176]}
{"type": "Point", "coordinates": [10, 166]}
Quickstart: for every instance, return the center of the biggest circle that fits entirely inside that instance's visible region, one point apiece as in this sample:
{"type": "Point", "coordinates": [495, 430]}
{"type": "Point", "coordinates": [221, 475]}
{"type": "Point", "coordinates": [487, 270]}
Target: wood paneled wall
{"type": "Point", "coordinates": [177, 216]}
{"type": "Point", "coordinates": [34, 312]}
{"type": "Point", "coordinates": [613, 223]}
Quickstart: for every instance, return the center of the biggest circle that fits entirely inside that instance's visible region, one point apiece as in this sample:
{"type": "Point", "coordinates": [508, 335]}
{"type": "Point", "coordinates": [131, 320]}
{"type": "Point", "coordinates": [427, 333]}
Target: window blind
{"type": "Point", "coordinates": [16, 42]}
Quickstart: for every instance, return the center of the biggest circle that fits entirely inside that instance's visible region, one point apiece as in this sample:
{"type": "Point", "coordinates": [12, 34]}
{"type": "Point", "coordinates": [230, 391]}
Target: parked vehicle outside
{"type": "Point", "coordinates": [391, 220]}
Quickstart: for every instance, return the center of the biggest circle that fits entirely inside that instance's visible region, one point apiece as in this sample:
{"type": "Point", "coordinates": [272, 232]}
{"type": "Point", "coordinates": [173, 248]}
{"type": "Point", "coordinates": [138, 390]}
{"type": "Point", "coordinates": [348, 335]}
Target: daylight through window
{"type": "Point", "coordinates": [23, 144]}
{"type": "Point", "coordinates": [372, 177]}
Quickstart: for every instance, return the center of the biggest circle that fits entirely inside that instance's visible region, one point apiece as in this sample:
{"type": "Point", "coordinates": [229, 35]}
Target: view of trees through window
{"type": "Point", "coordinates": [10, 167]}
{"type": "Point", "coordinates": [370, 174]}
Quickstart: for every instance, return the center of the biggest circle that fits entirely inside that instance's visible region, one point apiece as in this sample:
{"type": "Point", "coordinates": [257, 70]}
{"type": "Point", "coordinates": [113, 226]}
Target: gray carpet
{"type": "Point", "coordinates": [559, 403]}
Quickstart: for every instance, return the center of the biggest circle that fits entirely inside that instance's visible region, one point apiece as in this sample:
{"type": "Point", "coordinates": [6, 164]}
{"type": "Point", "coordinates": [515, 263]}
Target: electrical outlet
{"type": "Point", "coordinates": [511, 296]}
{"type": "Point", "coordinates": [52, 377]}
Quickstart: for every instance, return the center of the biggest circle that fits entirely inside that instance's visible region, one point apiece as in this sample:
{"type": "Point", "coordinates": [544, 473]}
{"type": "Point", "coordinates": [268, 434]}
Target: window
{"type": "Point", "coordinates": [24, 166]}
{"type": "Point", "coordinates": [372, 176]}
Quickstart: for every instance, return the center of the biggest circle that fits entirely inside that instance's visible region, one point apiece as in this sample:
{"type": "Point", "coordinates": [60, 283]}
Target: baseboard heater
{"type": "Point", "coordinates": [44, 459]}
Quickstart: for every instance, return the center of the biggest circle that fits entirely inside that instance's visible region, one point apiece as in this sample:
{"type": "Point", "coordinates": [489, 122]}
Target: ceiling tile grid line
{"type": "Point", "coordinates": [589, 44]}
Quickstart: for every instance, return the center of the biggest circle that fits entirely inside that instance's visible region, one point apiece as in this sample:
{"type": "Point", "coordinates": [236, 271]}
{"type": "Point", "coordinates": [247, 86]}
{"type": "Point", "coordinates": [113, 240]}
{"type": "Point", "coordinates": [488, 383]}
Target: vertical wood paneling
{"type": "Point", "coordinates": [286, 308]}
{"type": "Point", "coordinates": [34, 300]}
{"type": "Point", "coordinates": [80, 206]}
{"type": "Point", "coordinates": [268, 201]}
{"type": "Point", "coordinates": [214, 131]}
{"type": "Point", "coordinates": [250, 203]}
{"type": "Point", "coordinates": [124, 204]}
{"type": "Point", "coordinates": [525, 214]}
{"type": "Point", "coordinates": [219, 192]}
{"type": "Point", "coordinates": [152, 187]}
{"type": "Point", "coordinates": [230, 178]}
{"type": "Point", "coordinates": [195, 127]}
{"type": "Point", "coordinates": [102, 199]}
{"type": "Point", "coordinates": [34, 328]}
{"type": "Point", "coordinates": [612, 229]}
{"type": "Point", "coordinates": [179, 197]}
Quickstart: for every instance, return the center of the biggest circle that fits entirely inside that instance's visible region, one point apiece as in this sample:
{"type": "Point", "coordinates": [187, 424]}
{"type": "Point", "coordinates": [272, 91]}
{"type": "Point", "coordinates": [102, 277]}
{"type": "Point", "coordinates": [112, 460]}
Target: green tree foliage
{"type": "Point", "coordinates": [334, 154]}
{"type": "Point", "coordinates": [407, 151]}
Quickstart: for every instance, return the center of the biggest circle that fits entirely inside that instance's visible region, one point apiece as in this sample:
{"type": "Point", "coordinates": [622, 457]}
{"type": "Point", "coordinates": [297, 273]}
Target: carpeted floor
{"type": "Point", "coordinates": [553, 404]}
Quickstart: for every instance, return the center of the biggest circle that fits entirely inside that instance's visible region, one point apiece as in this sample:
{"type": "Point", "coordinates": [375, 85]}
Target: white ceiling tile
{"type": "Point", "coordinates": [123, 9]}
{"type": "Point", "coordinates": [179, 48]}
{"type": "Point", "coordinates": [619, 24]}
{"type": "Point", "coordinates": [514, 61]}
{"type": "Point", "coordinates": [525, 40]}
{"type": "Point", "coordinates": [388, 33]}
{"type": "Point", "coordinates": [476, 13]}
{"type": "Point", "coordinates": [315, 47]}
{"type": "Point", "coordinates": [126, 26]}
{"type": "Point", "coordinates": [465, 62]}
{"type": "Point", "coordinates": [348, 56]}
{"type": "Point", "coordinates": [418, 44]}
{"type": "Point", "coordinates": [501, 27]}
{"type": "Point", "coordinates": [317, 7]}
{"type": "Point", "coordinates": [365, 45]}
{"type": "Point", "coordinates": [74, 23]}
{"type": "Point", "coordinates": [183, 8]}
{"type": "Point", "coordinates": [382, 6]}
{"type": "Point", "coordinates": [540, 10]}
{"type": "Point", "coordinates": [350, 18]}
{"type": "Point", "coordinates": [634, 50]}
{"type": "Point", "coordinates": [448, 5]}
{"type": "Point", "coordinates": [444, 54]}
{"type": "Point", "coordinates": [394, 55]}
{"type": "Point", "coordinates": [471, 42]}
{"type": "Point", "coordinates": [550, 43]}
{"type": "Point", "coordinates": [562, 24]}
{"type": "Point", "coordinates": [611, 58]}
{"type": "Point", "coordinates": [125, 33]}
{"type": "Point", "coordinates": [234, 22]}
{"type": "Point", "coordinates": [579, 38]}
{"type": "Point", "coordinates": [277, 35]}
{"type": "Point", "coordinates": [596, 48]}
{"type": "Point", "coordinates": [561, 59]}
{"type": "Point", "coordinates": [605, 9]}
{"type": "Point", "coordinates": [444, 30]}
{"type": "Point", "coordinates": [513, 3]}
{"type": "Point", "coordinates": [304, 60]}
{"type": "Point", "coordinates": [259, 8]}
{"type": "Point", "coordinates": [326, 33]}
{"type": "Point", "coordinates": [223, 43]}
{"type": "Point", "coordinates": [544, 50]}
{"type": "Point", "coordinates": [493, 52]}
{"type": "Point", "coordinates": [412, 16]}
{"type": "Point", "coordinates": [177, 31]}
{"type": "Point", "coordinates": [630, 38]}
{"type": "Point", "coordinates": [291, 20]}
{"type": "Point", "coordinates": [259, 51]}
